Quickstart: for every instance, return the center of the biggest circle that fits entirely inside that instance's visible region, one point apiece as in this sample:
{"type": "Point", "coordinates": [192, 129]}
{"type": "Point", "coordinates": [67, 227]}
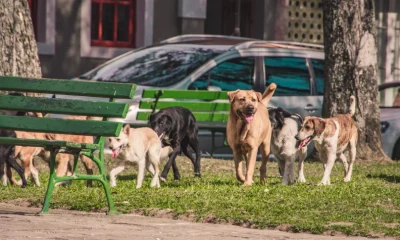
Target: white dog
{"type": "Point", "coordinates": [285, 127]}
{"type": "Point", "coordinates": [141, 146]}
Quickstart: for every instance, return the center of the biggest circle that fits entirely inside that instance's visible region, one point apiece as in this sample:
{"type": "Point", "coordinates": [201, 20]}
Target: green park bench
{"type": "Point", "coordinates": [104, 106]}
{"type": "Point", "coordinates": [210, 108]}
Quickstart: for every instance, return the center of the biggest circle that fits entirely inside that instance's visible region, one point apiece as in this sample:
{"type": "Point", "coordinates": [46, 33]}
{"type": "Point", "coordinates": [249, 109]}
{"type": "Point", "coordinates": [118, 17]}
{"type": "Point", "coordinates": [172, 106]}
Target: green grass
{"type": "Point", "coordinates": [368, 206]}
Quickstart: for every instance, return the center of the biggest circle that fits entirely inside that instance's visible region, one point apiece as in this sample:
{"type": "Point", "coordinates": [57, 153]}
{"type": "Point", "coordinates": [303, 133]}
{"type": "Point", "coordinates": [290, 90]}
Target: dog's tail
{"type": "Point", "coordinates": [267, 95]}
{"type": "Point", "coordinates": [165, 151]}
{"type": "Point", "coordinates": [352, 105]}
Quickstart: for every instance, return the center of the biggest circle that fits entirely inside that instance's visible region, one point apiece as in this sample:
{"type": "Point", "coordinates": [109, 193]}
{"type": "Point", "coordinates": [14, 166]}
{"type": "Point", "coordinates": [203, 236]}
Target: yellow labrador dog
{"type": "Point", "coordinates": [332, 136]}
{"type": "Point", "coordinates": [141, 146]}
{"type": "Point", "coordinates": [248, 129]}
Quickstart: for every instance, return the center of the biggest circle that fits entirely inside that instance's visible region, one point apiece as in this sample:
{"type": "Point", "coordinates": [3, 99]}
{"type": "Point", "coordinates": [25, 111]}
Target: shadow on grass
{"type": "Point", "coordinates": [388, 178]}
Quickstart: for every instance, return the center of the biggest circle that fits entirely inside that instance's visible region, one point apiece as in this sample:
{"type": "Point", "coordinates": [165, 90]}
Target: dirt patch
{"type": "Point", "coordinates": [20, 223]}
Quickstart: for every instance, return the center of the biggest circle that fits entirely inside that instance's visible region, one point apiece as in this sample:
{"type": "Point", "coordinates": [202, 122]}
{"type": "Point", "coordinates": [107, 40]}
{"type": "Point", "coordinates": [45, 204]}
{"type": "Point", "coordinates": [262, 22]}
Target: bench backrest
{"type": "Point", "coordinates": [207, 106]}
{"type": "Point", "coordinates": [101, 108]}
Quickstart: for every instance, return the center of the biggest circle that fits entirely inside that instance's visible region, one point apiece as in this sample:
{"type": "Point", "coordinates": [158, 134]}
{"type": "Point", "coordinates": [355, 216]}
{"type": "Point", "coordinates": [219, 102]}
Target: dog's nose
{"type": "Point", "coordinates": [110, 147]}
{"type": "Point", "coordinates": [250, 108]}
{"type": "Point", "coordinates": [297, 137]}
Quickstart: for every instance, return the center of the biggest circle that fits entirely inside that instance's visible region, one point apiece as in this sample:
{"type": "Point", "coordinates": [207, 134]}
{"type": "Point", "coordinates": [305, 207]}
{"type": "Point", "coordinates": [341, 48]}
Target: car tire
{"type": "Point", "coordinates": [396, 151]}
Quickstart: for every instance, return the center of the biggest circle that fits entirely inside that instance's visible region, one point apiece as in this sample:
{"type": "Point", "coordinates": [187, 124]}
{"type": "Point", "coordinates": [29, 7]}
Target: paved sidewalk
{"type": "Point", "coordinates": [22, 223]}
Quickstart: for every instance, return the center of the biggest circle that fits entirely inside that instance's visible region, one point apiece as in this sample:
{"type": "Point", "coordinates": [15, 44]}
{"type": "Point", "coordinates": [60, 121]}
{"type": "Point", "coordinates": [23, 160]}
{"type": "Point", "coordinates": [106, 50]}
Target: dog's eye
{"type": "Point", "coordinates": [118, 139]}
{"type": "Point", "coordinates": [254, 100]}
{"type": "Point", "coordinates": [307, 127]}
{"type": "Point", "coordinates": [242, 100]}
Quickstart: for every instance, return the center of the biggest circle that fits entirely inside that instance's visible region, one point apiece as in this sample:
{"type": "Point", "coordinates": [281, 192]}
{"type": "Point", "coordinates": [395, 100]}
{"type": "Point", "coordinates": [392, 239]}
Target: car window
{"type": "Point", "coordinates": [290, 74]}
{"type": "Point", "coordinates": [230, 75]}
{"type": "Point", "coordinates": [158, 66]}
{"type": "Point", "coordinates": [318, 66]}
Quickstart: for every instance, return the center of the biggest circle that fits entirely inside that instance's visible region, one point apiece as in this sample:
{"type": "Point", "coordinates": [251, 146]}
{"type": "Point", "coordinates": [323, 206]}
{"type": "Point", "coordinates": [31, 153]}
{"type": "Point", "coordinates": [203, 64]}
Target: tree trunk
{"type": "Point", "coordinates": [18, 49]}
{"type": "Point", "coordinates": [351, 69]}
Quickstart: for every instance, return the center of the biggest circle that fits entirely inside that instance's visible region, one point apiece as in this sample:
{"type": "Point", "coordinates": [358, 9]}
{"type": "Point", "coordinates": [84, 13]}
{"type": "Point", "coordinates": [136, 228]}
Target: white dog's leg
{"type": "Point", "coordinates": [343, 159]}
{"type": "Point", "coordinates": [153, 166]}
{"type": "Point", "coordinates": [35, 174]}
{"type": "Point", "coordinates": [353, 151]}
{"type": "Point", "coordinates": [330, 161]}
{"type": "Point", "coordinates": [116, 170]}
{"type": "Point", "coordinates": [150, 168]}
{"type": "Point", "coordinates": [140, 175]}
{"type": "Point", "coordinates": [302, 155]}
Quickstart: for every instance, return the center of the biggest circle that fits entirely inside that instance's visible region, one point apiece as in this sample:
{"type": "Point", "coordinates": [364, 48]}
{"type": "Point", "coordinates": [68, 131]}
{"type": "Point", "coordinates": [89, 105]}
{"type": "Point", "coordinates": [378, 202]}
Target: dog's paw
{"type": "Point", "coordinates": [197, 174]}
{"type": "Point", "coordinates": [163, 179]}
{"type": "Point", "coordinates": [324, 183]}
{"type": "Point", "coordinates": [301, 180]}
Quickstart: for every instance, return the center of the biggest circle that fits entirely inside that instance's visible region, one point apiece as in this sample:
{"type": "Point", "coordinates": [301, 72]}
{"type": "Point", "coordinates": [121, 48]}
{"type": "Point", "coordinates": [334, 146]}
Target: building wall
{"type": "Point", "coordinates": [67, 61]}
{"type": "Point", "coordinates": [166, 21]}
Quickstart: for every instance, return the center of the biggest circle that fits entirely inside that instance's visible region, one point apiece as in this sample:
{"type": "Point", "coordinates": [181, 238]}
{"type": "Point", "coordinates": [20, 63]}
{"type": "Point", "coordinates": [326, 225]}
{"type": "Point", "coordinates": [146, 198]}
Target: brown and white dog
{"type": "Point", "coordinates": [332, 136]}
{"type": "Point", "coordinates": [248, 129]}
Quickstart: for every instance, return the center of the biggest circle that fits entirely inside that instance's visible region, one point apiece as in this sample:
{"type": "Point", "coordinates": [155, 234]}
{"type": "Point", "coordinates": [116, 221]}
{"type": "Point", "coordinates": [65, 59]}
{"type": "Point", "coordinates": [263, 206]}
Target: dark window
{"type": "Point", "coordinates": [157, 66]}
{"type": "Point", "coordinates": [290, 74]}
{"type": "Point", "coordinates": [318, 66]}
{"type": "Point", "coordinates": [33, 7]}
{"type": "Point", "coordinates": [230, 75]}
{"type": "Point", "coordinates": [112, 23]}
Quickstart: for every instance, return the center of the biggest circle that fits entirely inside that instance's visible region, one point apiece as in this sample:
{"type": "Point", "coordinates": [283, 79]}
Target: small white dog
{"type": "Point", "coordinates": [141, 146]}
{"type": "Point", "coordinates": [285, 127]}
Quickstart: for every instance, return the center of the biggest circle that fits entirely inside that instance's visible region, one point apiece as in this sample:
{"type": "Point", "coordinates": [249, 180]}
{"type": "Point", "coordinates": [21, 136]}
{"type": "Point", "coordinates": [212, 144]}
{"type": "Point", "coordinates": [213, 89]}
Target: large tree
{"type": "Point", "coordinates": [18, 49]}
{"type": "Point", "coordinates": [351, 69]}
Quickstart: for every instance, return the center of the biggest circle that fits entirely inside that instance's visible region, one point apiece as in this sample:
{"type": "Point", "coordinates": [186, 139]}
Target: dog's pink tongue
{"type": "Point", "coordinates": [249, 118]}
{"type": "Point", "coordinates": [115, 153]}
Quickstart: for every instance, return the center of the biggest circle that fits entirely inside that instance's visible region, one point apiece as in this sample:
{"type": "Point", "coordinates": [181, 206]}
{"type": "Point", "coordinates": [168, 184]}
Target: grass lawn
{"type": "Point", "coordinates": [368, 206]}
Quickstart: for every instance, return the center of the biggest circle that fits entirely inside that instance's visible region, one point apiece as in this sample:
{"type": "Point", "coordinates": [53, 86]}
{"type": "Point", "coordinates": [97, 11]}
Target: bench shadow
{"type": "Point", "coordinates": [388, 178]}
{"type": "Point", "coordinates": [7, 212]}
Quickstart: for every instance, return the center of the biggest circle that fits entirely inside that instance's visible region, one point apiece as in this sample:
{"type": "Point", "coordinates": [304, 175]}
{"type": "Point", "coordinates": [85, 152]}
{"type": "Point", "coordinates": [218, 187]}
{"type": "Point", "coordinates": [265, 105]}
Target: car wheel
{"type": "Point", "coordinates": [396, 150]}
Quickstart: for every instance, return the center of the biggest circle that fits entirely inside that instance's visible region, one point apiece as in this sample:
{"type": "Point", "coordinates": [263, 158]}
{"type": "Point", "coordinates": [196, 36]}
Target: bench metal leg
{"type": "Point", "coordinates": [53, 179]}
{"type": "Point", "coordinates": [103, 179]}
{"type": "Point", "coordinates": [51, 184]}
{"type": "Point", "coordinates": [213, 147]}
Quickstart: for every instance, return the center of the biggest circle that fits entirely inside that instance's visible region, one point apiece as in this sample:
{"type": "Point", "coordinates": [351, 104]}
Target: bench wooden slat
{"type": "Point", "coordinates": [193, 106]}
{"type": "Point", "coordinates": [44, 143]}
{"type": "Point", "coordinates": [56, 125]}
{"type": "Point", "coordinates": [186, 94]}
{"type": "Point", "coordinates": [63, 106]}
{"type": "Point", "coordinates": [200, 116]}
{"type": "Point", "coordinates": [68, 87]}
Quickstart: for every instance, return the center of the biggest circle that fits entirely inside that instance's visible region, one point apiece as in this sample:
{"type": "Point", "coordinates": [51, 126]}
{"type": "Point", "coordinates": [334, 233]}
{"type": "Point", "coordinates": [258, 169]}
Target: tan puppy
{"type": "Point", "coordinates": [332, 136]}
{"type": "Point", "coordinates": [141, 146]}
{"type": "Point", "coordinates": [248, 129]}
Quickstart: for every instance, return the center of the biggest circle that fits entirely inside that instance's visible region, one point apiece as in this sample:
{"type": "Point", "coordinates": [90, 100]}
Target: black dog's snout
{"type": "Point", "coordinates": [250, 109]}
{"type": "Point", "coordinates": [297, 137]}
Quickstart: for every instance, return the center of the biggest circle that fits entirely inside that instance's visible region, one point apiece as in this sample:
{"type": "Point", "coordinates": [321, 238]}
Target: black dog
{"type": "Point", "coordinates": [177, 127]}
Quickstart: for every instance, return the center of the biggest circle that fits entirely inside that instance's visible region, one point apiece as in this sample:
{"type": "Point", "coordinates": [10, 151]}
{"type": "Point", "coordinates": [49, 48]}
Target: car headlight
{"type": "Point", "coordinates": [384, 126]}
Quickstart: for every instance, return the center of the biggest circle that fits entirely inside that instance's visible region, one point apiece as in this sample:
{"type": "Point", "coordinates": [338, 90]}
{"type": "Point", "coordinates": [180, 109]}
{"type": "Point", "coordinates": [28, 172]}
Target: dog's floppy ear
{"type": "Point", "coordinates": [126, 129]}
{"type": "Point", "coordinates": [231, 95]}
{"type": "Point", "coordinates": [319, 125]}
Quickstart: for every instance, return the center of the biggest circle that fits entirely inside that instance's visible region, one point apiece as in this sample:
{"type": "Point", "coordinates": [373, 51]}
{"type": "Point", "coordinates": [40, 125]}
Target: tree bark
{"type": "Point", "coordinates": [18, 49]}
{"type": "Point", "coordinates": [351, 69]}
